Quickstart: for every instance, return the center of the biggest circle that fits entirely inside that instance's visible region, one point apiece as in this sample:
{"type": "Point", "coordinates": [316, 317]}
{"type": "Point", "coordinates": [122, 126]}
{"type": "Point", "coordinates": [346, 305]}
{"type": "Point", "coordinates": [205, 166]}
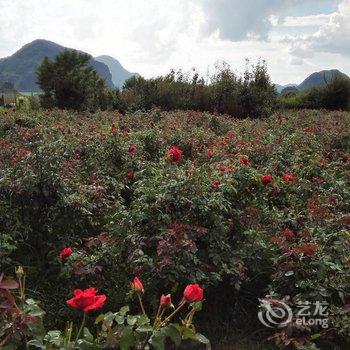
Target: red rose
{"type": "Point", "coordinates": [130, 175]}
{"type": "Point", "coordinates": [25, 152]}
{"type": "Point", "coordinates": [216, 184]}
{"type": "Point", "coordinates": [288, 233]}
{"type": "Point", "coordinates": [137, 286]}
{"type": "Point", "coordinates": [193, 293]}
{"type": "Point", "coordinates": [244, 160]}
{"type": "Point", "coordinates": [306, 248]}
{"type": "Point", "coordinates": [65, 253]}
{"type": "Point", "coordinates": [87, 300]}
{"type": "Point", "coordinates": [165, 301]}
{"type": "Point", "coordinates": [266, 179]}
{"type": "Point", "coordinates": [113, 129]}
{"type": "Point", "coordinates": [210, 152]}
{"type": "Point", "coordinates": [132, 149]}
{"type": "Point", "coordinates": [222, 168]}
{"type": "Point", "coordinates": [174, 155]}
{"type": "Point", "coordinates": [317, 180]}
{"type": "Point", "coordinates": [288, 177]}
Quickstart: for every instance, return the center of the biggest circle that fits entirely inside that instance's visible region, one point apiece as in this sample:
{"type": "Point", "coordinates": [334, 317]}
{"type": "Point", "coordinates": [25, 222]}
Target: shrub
{"type": "Point", "coordinates": [252, 95]}
{"type": "Point", "coordinates": [22, 324]}
{"type": "Point", "coordinates": [108, 186]}
{"type": "Point", "coordinates": [333, 96]}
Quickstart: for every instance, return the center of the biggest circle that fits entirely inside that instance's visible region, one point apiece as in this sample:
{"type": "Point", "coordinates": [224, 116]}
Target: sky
{"type": "Point", "coordinates": [295, 37]}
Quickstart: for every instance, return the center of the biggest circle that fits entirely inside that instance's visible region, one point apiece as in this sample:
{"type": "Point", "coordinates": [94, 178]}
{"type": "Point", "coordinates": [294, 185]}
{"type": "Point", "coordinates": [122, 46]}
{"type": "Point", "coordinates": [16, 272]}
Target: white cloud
{"type": "Point", "coordinates": [152, 36]}
{"type": "Point", "coordinates": [331, 37]}
{"type": "Point", "coordinates": [315, 20]}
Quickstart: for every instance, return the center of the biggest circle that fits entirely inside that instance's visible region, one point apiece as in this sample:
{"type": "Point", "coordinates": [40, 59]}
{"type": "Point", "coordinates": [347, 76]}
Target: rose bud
{"type": "Point", "coordinates": [65, 253]}
{"type": "Point", "coordinates": [165, 301]}
{"type": "Point", "coordinates": [137, 286]}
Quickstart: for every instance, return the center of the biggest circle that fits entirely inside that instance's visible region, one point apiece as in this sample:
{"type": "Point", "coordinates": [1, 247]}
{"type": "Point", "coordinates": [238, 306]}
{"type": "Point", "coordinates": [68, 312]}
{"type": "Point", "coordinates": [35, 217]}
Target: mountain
{"type": "Point", "coordinates": [320, 79]}
{"type": "Point", "coordinates": [119, 73]}
{"type": "Point", "coordinates": [279, 88]}
{"type": "Point", "coordinates": [20, 68]}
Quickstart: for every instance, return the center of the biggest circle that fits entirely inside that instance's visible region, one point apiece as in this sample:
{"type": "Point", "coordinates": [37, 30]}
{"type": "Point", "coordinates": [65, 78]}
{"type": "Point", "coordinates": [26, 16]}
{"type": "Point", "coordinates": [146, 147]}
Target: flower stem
{"type": "Point", "coordinates": [141, 304]}
{"type": "Point", "coordinates": [157, 316]}
{"type": "Point", "coordinates": [183, 302]}
{"type": "Point", "coordinates": [80, 330]}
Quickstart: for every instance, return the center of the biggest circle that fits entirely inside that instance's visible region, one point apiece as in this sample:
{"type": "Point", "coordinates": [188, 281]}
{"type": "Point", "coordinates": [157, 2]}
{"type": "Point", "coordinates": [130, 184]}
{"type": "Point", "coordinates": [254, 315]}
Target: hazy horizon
{"type": "Point", "coordinates": [294, 37]}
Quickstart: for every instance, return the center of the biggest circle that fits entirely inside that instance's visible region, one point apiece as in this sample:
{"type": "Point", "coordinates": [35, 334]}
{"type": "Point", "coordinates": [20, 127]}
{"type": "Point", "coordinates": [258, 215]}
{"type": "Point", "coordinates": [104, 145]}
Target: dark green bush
{"type": "Point", "coordinates": [252, 95]}
{"type": "Point", "coordinates": [67, 82]}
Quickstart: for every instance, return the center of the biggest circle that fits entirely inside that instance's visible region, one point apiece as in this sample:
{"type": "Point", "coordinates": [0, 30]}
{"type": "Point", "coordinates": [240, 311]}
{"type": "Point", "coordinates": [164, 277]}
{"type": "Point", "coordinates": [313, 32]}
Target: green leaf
{"type": "Point", "coordinates": [37, 343]}
{"type": "Point", "coordinates": [119, 319]}
{"type": "Point", "coordinates": [197, 306]}
{"type": "Point", "coordinates": [157, 340]}
{"type": "Point", "coordinates": [99, 318]}
{"type": "Point", "coordinates": [54, 334]}
{"type": "Point", "coordinates": [131, 320]}
{"type": "Point", "coordinates": [187, 333]}
{"type": "Point", "coordinates": [128, 339]}
{"type": "Point", "coordinates": [144, 329]}
{"type": "Point", "coordinates": [173, 333]}
{"type": "Point", "coordinates": [87, 335]}
{"type": "Point", "coordinates": [124, 310]}
{"type": "Point", "coordinates": [143, 320]}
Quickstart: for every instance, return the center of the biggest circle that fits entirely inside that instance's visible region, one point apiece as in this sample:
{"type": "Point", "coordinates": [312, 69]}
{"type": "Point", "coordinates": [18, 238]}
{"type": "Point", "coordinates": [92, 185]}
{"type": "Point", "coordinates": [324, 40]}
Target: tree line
{"type": "Point", "coordinates": [68, 82]}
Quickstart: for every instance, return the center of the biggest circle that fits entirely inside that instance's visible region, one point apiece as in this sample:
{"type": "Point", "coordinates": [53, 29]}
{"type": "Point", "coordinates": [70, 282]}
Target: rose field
{"type": "Point", "coordinates": [196, 221]}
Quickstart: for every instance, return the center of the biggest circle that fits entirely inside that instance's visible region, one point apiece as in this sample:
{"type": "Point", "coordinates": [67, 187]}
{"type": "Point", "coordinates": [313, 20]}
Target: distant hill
{"type": "Point", "coordinates": [320, 79]}
{"type": "Point", "coordinates": [279, 88]}
{"type": "Point", "coordinates": [119, 73]}
{"type": "Point", "coordinates": [20, 68]}
{"type": "Point", "coordinates": [316, 79]}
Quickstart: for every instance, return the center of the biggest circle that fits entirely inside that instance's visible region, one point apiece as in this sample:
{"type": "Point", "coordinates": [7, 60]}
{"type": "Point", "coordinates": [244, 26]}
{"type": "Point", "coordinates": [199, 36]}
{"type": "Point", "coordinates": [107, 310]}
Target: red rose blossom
{"type": "Point", "coordinates": [193, 293]}
{"type": "Point", "coordinates": [65, 253]}
{"type": "Point", "coordinates": [215, 184]}
{"type": "Point", "coordinates": [210, 152]}
{"type": "Point", "coordinates": [137, 286]}
{"type": "Point", "coordinates": [87, 300]}
{"type": "Point", "coordinates": [174, 155]}
{"type": "Point", "coordinates": [113, 129]}
{"type": "Point", "coordinates": [130, 175]}
{"type": "Point", "coordinates": [222, 168]}
{"type": "Point", "coordinates": [132, 149]}
{"type": "Point", "coordinates": [306, 248]}
{"type": "Point", "coordinates": [288, 233]}
{"type": "Point", "coordinates": [266, 179]}
{"type": "Point", "coordinates": [288, 177]}
{"type": "Point", "coordinates": [244, 160]}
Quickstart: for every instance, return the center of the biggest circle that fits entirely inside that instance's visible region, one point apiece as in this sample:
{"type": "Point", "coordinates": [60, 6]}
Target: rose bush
{"type": "Point", "coordinates": [22, 323]}
{"type": "Point", "coordinates": [245, 208]}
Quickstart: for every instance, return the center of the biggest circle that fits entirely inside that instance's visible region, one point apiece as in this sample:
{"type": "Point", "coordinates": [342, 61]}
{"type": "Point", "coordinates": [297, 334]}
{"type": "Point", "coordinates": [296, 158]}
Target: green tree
{"type": "Point", "coordinates": [68, 82]}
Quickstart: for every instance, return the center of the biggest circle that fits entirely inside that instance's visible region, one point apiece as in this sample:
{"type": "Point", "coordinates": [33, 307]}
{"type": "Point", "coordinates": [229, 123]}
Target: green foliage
{"type": "Point", "coordinates": [252, 95]}
{"type": "Point", "coordinates": [335, 95]}
{"type": "Point", "coordinates": [68, 82]}
{"type": "Point", "coordinates": [65, 181]}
